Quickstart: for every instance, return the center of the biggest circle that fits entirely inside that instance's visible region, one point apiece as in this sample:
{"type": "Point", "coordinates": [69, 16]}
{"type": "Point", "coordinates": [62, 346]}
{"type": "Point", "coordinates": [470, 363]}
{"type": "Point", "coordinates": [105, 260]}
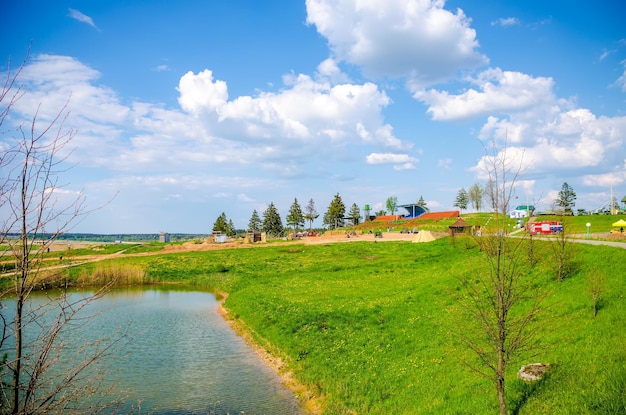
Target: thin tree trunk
{"type": "Point", "coordinates": [17, 370]}
{"type": "Point", "coordinates": [19, 285]}
{"type": "Point", "coordinates": [501, 394]}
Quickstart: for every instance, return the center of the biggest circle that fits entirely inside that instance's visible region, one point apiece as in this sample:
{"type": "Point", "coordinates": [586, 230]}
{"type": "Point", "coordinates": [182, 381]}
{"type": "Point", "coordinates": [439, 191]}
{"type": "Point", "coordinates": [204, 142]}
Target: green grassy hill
{"type": "Point", "coordinates": [366, 326]}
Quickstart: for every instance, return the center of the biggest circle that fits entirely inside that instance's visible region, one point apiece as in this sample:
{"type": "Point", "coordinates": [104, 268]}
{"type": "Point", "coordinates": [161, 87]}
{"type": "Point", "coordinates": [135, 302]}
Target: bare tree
{"type": "Point", "coordinates": [562, 251]}
{"type": "Point", "coordinates": [499, 301]}
{"type": "Point", "coordinates": [38, 374]}
{"type": "Point", "coordinates": [310, 213]}
{"type": "Point", "coordinates": [475, 195]}
{"type": "Point", "coordinates": [595, 281]}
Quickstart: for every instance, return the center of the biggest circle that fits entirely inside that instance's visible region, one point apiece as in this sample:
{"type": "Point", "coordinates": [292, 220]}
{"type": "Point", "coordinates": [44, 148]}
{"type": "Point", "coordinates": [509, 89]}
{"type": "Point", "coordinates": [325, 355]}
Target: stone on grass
{"type": "Point", "coordinates": [533, 371]}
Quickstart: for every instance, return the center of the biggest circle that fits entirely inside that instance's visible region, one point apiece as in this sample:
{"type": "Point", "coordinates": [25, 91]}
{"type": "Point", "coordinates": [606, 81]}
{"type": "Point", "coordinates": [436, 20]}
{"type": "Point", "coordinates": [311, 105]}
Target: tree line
{"type": "Point", "coordinates": [476, 194]}
{"type": "Point", "coordinates": [335, 217]}
{"type": "Point", "coordinates": [271, 222]}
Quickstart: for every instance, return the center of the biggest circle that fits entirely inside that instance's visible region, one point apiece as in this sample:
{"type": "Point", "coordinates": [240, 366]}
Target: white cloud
{"type": "Point", "coordinates": [199, 92]}
{"type": "Point", "coordinates": [328, 70]}
{"type": "Point", "coordinates": [605, 180]}
{"type": "Point", "coordinates": [416, 39]}
{"type": "Point", "coordinates": [498, 91]}
{"type": "Point", "coordinates": [400, 161]}
{"type": "Point", "coordinates": [305, 110]}
{"type": "Point", "coordinates": [560, 141]}
{"type": "Point", "coordinates": [80, 17]}
{"type": "Point", "coordinates": [506, 22]}
{"type": "Point", "coordinates": [290, 133]}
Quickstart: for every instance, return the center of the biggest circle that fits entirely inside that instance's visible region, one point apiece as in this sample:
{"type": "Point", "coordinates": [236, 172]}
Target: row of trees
{"type": "Point", "coordinates": [472, 197]}
{"type": "Point", "coordinates": [335, 217]}
{"type": "Point", "coordinates": [271, 222]}
{"type": "Point", "coordinates": [476, 194]}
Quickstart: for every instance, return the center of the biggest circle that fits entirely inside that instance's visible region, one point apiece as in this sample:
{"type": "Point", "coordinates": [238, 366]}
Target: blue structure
{"type": "Point", "coordinates": [414, 210]}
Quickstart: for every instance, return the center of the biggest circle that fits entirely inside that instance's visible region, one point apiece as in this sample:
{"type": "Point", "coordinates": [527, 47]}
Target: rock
{"type": "Point", "coordinates": [533, 371]}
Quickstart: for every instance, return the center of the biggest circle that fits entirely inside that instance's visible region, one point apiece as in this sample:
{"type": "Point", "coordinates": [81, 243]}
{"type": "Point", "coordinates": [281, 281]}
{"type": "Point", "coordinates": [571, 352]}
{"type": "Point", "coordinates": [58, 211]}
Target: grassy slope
{"type": "Point", "coordinates": [574, 224]}
{"type": "Point", "coordinates": [364, 325]}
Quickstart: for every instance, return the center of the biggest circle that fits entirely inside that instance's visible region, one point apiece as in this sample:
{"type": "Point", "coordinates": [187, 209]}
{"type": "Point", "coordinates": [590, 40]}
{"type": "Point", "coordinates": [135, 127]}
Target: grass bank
{"type": "Point", "coordinates": [365, 326]}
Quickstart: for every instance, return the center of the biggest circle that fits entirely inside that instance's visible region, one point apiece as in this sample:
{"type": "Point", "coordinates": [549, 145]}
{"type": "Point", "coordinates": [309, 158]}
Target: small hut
{"type": "Point", "coordinates": [460, 226]}
{"type": "Point", "coordinates": [253, 236]}
{"type": "Point", "coordinates": [164, 237]}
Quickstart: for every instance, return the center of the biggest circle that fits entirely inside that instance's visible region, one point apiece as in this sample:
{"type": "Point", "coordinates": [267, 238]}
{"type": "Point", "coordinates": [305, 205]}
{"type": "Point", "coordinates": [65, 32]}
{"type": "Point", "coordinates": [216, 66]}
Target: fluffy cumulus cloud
{"type": "Point", "coordinates": [415, 39]}
{"type": "Point", "coordinates": [563, 140]}
{"type": "Point", "coordinates": [309, 120]}
{"type": "Point", "coordinates": [199, 92]}
{"type": "Point", "coordinates": [497, 91]}
{"type": "Point", "coordinates": [543, 133]}
{"type": "Point", "coordinates": [306, 109]}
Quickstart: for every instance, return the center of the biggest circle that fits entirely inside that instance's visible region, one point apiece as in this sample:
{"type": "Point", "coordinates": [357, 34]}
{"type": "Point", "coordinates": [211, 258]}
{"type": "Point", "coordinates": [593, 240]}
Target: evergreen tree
{"type": "Point", "coordinates": [230, 229]}
{"type": "Point", "coordinates": [333, 217]}
{"type": "Point", "coordinates": [475, 195]}
{"type": "Point", "coordinates": [421, 202]}
{"type": "Point", "coordinates": [272, 223]}
{"type": "Point", "coordinates": [221, 224]}
{"type": "Point", "coordinates": [355, 214]}
{"type": "Point", "coordinates": [310, 213]}
{"type": "Point", "coordinates": [255, 222]}
{"type": "Point", "coordinates": [462, 199]}
{"type": "Point", "coordinates": [567, 198]}
{"type": "Point", "coordinates": [295, 218]}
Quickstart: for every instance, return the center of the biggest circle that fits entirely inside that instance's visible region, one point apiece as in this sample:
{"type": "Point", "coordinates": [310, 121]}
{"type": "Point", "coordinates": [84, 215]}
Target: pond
{"type": "Point", "coordinates": [182, 358]}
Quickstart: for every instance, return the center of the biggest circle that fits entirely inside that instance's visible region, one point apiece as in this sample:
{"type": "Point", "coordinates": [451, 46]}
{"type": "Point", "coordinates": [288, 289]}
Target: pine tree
{"type": "Point", "coordinates": [272, 223]}
{"type": "Point", "coordinates": [333, 217]}
{"type": "Point", "coordinates": [310, 213]}
{"type": "Point", "coordinates": [421, 202]}
{"type": "Point", "coordinates": [355, 214]}
{"type": "Point", "coordinates": [295, 218]}
{"type": "Point", "coordinates": [567, 198]}
{"type": "Point", "coordinates": [221, 224]}
{"type": "Point", "coordinates": [230, 228]}
{"type": "Point", "coordinates": [255, 222]}
{"type": "Point", "coordinates": [462, 199]}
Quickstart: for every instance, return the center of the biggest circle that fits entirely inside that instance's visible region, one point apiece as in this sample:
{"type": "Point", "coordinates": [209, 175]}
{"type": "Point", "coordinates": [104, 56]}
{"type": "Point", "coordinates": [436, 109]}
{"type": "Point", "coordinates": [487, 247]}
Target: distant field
{"type": "Point", "coordinates": [365, 326]}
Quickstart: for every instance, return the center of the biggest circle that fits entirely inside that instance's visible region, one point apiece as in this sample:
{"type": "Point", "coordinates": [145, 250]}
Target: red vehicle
{"type": "Point", "coordinates": [544, 227]}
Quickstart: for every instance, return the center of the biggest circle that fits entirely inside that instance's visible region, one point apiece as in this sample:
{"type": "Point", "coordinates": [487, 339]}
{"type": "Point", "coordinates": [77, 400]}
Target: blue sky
{"type": "Point", "coordinates": [186, 109]}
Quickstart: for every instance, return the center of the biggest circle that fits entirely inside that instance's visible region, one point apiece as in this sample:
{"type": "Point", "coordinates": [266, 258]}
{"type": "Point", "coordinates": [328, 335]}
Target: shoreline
{"type": "Point", "coordinates": [309, 402]}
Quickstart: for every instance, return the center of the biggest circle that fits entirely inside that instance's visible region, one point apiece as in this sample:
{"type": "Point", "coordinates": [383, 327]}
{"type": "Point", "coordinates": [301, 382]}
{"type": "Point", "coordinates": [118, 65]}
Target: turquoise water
{"type": "Point", "coordinates": [182, 358]}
